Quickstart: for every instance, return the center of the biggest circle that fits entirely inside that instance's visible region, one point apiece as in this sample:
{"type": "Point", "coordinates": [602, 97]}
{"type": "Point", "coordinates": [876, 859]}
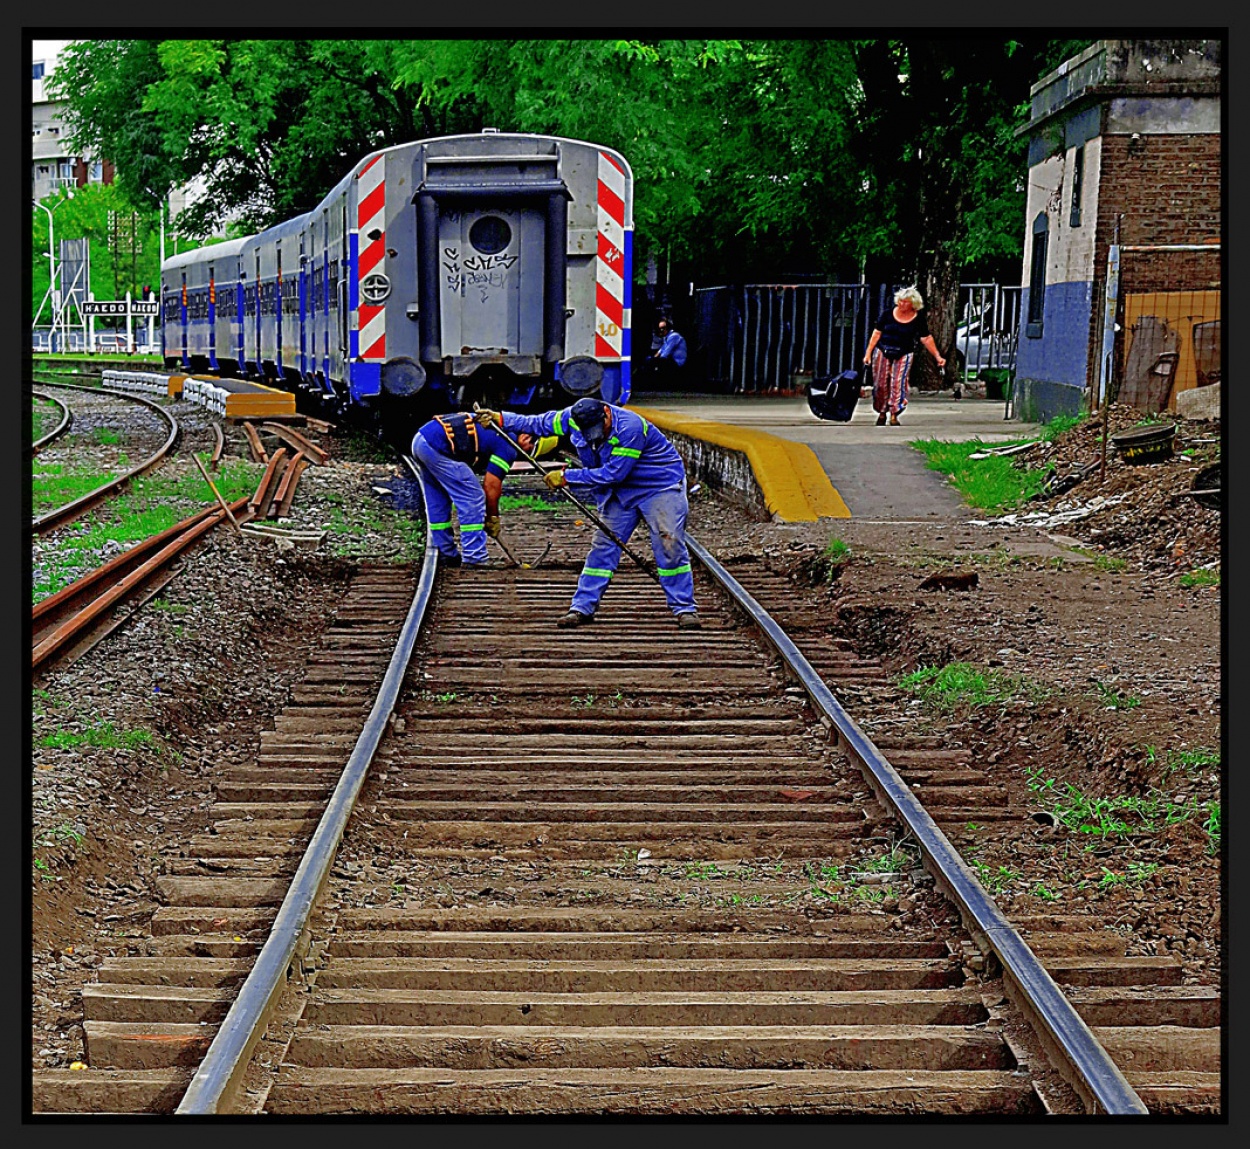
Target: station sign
{"type": "Point", "coordinates": [119, 307]}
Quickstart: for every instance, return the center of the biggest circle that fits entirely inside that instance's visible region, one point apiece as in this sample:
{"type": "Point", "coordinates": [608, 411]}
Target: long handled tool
{"type": "Point", "coordinates": [512, 558]}
{"type": "Point", "coordinates": [594, 518]}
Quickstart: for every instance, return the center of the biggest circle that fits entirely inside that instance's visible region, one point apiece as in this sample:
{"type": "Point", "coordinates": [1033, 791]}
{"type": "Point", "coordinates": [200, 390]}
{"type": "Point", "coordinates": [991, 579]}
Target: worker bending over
{"type": "Point", "coordinates": [452, 451]}
{"type": "Point", "coordinates": [637, 474]}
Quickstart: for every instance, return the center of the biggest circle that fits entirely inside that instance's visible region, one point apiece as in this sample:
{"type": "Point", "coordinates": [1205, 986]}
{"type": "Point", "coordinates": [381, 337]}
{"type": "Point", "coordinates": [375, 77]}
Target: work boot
{"type": "Point", "coordinates": [574, 618]}
{"type": "Point", "coordinates": [689, 620]}
{"type": "Point", "coordinates": [894, 421]}
{"type": "Point", "coordinates": [446, 560]}
{"type": "Point", "coordinates": [881, 419]}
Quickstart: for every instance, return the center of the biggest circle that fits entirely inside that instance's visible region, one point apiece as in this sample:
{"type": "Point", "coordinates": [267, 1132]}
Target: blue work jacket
{"type": "Point", "coordinates": [634, 461]}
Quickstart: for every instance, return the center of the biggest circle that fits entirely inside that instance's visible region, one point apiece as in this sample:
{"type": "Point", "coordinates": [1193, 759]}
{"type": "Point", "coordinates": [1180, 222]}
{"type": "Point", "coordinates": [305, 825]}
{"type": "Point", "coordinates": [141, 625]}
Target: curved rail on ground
{"type": "Point", "coordinates": [220, 1073]}
{"type": "Point", "coordinates": [1077, 1053]}
{"type": "Point", "coordinates": [71, 510]}
{"type": "Point", "coordinates": [59, 429]}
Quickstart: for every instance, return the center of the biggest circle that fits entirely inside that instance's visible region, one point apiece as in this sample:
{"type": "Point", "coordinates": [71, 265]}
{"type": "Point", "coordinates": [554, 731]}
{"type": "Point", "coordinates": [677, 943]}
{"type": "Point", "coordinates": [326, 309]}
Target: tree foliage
{"type": "Point", "coordinates": [899, 155]}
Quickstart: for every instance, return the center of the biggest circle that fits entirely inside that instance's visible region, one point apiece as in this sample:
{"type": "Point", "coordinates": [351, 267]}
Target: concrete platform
{"type": "Point", "coordinates": [873, 471]}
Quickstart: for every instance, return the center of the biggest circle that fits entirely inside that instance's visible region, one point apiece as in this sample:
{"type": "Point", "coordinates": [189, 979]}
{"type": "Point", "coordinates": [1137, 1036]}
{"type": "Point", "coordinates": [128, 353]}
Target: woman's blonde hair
{"type": "Point", "coordinates": [917, 300]}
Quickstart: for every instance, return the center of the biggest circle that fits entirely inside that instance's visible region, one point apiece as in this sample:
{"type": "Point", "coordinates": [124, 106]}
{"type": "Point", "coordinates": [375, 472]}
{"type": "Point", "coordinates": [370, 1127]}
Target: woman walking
{"type": "Point", "coordinates": [895, 337]}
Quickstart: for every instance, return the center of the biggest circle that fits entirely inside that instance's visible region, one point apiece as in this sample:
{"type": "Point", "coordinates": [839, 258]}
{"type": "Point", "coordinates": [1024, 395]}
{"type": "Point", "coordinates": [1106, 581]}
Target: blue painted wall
{"type": "Point", "coordinates": [1050, 371]}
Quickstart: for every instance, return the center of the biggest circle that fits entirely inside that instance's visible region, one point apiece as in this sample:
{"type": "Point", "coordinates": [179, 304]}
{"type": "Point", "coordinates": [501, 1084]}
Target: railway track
{"type": "Point", "coordinates": [63, 422]}
{"type": "Point", "coordinates": [90, 402]}
{"type": "Point", "coordinates": [618, 869]}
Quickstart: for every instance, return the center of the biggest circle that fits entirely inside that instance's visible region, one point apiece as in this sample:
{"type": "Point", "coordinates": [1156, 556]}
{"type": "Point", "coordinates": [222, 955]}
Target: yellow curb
{"type": "Point", "coordinates": [795, 486]}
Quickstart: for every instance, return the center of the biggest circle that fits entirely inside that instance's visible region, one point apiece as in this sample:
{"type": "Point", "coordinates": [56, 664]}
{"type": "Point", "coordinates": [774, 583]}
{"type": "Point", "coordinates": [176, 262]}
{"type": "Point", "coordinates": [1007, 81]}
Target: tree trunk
{"type": "Point", "coordinates": [938, 280]}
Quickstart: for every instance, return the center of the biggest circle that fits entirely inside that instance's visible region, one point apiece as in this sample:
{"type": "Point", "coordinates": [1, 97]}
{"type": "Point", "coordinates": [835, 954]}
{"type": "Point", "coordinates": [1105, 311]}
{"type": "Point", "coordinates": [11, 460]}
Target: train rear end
{"type": "Point", "coordinates": [497, 272]}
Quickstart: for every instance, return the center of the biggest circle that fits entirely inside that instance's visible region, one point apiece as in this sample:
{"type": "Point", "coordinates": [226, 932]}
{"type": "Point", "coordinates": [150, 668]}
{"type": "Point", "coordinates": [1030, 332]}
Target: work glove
{"type": "Point", "coordinates": [489, 418]}
{"type": "Point", "coordinates": [554, 479]}
{"type": "Point", "coordinates": [493, 526]}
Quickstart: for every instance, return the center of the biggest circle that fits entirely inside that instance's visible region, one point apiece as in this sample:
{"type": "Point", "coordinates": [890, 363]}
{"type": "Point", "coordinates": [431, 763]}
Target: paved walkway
{"type": "Point", "coordinates": [877, 475]}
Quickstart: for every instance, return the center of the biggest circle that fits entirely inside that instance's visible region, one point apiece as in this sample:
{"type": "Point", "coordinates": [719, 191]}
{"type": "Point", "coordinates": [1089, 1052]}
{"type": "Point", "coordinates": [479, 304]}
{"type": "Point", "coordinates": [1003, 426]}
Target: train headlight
{"type": "Point", "coordinates": [581, 375]}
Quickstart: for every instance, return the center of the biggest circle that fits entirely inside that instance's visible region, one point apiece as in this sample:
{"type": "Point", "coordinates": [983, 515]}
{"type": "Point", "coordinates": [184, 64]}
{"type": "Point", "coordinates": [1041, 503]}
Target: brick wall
{"type": "Point", "coordinates": [1168, 189]}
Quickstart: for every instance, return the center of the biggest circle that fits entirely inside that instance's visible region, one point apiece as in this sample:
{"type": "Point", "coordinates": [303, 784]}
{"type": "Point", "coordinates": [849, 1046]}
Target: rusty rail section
{"type": "Point", "coordinates": [74, 617]}
{"type": "Point", "coordinates": [75, 508]}
{"type": "Point", "coordinates": [78, 616]}
{"type": "Point", "coordinates": [59, 430]}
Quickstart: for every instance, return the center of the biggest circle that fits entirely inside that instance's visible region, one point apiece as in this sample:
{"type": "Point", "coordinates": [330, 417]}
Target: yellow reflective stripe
{"type": "Point", "coordinates": [645, 427]}
{"type": "Point", "coordinates": [558, 425]}
{"type": "Point", "coordinates": [500, 462]}
{"type": "Point", "coordinates": [472, 527]}
{"type": "Point", "coordinates": [599, 573]}
{"type": "Point", "coordinates": [662, 572]}
{"type": "Point", "coordinates": [440, 526]}
{"type": "Point", "coordinates": [627, 451]}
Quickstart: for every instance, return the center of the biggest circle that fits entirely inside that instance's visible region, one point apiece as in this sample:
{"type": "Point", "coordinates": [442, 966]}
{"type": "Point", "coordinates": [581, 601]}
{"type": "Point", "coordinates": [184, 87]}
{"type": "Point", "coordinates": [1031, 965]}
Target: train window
{"type": "Point", "coordinates": [490, 235]}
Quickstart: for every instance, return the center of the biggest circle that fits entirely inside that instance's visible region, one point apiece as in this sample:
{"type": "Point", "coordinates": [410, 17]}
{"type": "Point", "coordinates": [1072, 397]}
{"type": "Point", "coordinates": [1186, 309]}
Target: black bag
{"type": "Point", "coordinates": [835, 397]}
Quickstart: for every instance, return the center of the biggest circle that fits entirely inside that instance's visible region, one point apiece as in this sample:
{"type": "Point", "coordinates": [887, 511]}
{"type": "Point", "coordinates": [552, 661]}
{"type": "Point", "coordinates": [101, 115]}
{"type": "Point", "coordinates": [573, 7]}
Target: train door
{"type": "Point", "coordinates": [491, 280]}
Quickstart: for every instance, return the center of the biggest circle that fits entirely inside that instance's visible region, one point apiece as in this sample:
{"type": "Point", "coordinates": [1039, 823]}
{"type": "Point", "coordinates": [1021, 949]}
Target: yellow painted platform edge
{"type": "Point", "coordinates": [793, 482]}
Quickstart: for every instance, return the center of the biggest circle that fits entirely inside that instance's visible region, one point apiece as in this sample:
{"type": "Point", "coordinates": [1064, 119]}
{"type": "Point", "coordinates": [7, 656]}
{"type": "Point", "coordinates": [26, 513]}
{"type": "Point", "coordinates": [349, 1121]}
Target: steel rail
{"type": "Point", "coordinates": [73, 509]}
{"type": "Point", "coordinates": [59, 429]}
{"type": "Point", "coordinates": [219, 1076]}
{"type": "Point", "coordinates": [1077, 1053]}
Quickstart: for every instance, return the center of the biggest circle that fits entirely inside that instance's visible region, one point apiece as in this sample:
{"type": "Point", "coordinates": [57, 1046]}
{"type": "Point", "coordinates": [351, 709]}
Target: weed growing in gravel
{"type": "Point", "coordinates": [106, 437]}
{"type": "Point", "coordinates": [1191, 761]}
{"type": "Point", "coordinates": [703, 871]}
{"type": "Point", "coordinates": [1115, 699]}
{"type": "Point", "coordinates": [1046, 894]}
{"type": "Point", "coordinates": [44, 872]}
{"type": "Point", "coordinates": [356, 525]}
{"type": "Point", "coordinates": [1135, 875]}
{"type": "Point", "coordinates": [961, 683]}
{"type": "Point", "coordinates": [103, 736]}
{"type": "Point", "coordinates": [164, 606]}
{"type": "Point", "coordinates": [1116, 817]}
{"type": "Point", "coordinates": [1211, 827]}
{"type": "Point", "coordinates": [994, 880]}
{"type": "Point", "coordinates": [1200, 577]}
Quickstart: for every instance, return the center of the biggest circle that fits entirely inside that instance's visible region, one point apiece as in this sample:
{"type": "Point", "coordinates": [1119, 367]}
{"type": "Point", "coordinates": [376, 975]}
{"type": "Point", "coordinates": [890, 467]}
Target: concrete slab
{"type": "Point", "coordinates": [874, 470]}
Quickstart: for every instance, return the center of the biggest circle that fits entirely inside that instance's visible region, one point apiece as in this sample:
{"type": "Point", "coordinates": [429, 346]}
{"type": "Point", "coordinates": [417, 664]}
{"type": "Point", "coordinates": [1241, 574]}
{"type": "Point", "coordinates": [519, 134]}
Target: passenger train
{"type": "Point", "coordinates": [493, 267]}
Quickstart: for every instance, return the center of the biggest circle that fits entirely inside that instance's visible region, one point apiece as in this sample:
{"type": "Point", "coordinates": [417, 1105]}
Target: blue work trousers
{"type": "Point", "coordinates": [447, 482]}
{"type": "Point", "coordinates": [665, 515]}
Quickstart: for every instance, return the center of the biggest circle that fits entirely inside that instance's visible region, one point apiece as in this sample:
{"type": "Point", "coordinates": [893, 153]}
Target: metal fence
{"type": "Point", "coordinates": [989, 328]}
{"type": "Point", "coordinates": [775, 338]}
{"type": "Point", "coordinates": [1167, 334]}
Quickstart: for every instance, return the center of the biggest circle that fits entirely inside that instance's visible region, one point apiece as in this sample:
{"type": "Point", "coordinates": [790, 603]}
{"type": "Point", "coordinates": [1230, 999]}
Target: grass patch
{"type": "Point", "coordinates": [104, 736]}
{"type": "Point", "coordinates": [994, 483]}
{"type": "Point", "coordinates": [1202, 577]}
{"type": "Point", "coordinates": [52, 486]}
{"type": "Point", "coordinates": [529, 502]}
{"type": "Point", "coordinates": [962, 684]}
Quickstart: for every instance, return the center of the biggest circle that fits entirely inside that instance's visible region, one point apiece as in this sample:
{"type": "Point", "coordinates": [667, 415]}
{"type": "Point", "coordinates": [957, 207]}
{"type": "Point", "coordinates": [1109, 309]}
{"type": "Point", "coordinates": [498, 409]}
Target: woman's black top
{"type": "Point", "coordinates": [899, 339]}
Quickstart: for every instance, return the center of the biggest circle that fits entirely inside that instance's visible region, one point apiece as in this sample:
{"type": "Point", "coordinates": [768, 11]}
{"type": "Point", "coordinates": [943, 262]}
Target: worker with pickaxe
{"type": "Point", "coordinates": [641, 474]}
{"type": "Point", "coordinates": [452, 450]}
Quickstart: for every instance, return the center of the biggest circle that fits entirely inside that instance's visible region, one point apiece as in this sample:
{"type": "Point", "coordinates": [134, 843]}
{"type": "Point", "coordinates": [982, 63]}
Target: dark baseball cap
{"type": "Point", "coordinates": [587, 414]}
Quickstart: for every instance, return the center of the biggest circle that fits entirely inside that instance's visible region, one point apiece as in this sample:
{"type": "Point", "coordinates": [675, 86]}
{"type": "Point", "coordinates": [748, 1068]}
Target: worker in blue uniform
{"type": "Point", "coordinates": [635, 473]}
{"type": "Point", "coordinates": [452, 451]}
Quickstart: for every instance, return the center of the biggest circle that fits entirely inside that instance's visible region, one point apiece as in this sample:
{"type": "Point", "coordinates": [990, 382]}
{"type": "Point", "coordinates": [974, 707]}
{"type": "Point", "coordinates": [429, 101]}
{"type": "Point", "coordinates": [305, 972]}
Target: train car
{"type": "Point", "coordinates": [489, 268]}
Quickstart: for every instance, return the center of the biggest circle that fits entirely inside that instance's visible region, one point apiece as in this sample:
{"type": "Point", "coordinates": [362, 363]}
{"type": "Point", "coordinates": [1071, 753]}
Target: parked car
{"type": "Point", "coordinates": [981, 345]}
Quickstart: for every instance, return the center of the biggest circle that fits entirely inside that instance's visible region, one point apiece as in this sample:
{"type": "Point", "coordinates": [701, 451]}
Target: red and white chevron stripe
{"type": "Point", "coordinates": [610, 264]}
{"type": "Point", "coordinates": [371, 254]}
